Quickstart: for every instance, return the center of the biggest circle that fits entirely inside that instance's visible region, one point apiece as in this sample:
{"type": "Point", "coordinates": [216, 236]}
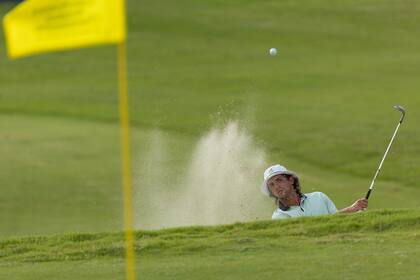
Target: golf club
{"type": "Point", "coordinates": [402, 110]}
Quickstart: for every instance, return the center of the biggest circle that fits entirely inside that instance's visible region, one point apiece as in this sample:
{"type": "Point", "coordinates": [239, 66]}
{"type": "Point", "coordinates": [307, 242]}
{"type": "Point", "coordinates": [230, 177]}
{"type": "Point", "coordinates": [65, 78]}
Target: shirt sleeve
{"type": "Point", "coordinates": [330, 205]}
{"type": "Point", "coordinates": [277, 215]}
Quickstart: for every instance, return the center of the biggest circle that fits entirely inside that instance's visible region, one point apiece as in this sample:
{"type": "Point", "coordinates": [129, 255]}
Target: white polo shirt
{"type": "Point", "coordinates": [311, 204]}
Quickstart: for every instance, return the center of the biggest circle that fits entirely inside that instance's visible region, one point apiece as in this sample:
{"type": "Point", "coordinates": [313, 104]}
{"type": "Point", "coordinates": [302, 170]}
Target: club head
{"type": "Point", "coordinates": [402, 110]}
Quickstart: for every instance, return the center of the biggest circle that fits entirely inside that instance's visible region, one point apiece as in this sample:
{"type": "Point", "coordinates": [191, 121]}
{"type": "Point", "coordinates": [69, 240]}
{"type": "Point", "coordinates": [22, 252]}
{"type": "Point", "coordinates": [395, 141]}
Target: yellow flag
{"type": "Point", "coordinates": [37, 26]}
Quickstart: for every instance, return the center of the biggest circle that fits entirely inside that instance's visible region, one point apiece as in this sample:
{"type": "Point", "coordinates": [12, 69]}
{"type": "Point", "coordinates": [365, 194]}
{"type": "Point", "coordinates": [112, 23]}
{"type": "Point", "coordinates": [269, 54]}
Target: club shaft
{"type": "Point", "coordinates": [382, 161]}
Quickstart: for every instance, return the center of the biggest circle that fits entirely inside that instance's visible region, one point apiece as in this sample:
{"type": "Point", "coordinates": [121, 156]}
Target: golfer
{"type": "Point", "coordinates": [283, 185]}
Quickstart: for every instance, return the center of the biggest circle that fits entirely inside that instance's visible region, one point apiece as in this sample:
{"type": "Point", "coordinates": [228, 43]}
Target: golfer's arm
{"type": "Point", "coordinates": [360, 204]}
{"type": "Point", "coordinates": [346, 210]}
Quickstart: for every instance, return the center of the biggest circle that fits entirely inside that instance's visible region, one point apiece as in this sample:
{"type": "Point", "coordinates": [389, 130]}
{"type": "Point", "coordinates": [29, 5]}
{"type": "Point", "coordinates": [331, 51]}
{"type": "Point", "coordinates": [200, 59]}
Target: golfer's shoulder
{"type": "Point", "coordinates": [317, 195]}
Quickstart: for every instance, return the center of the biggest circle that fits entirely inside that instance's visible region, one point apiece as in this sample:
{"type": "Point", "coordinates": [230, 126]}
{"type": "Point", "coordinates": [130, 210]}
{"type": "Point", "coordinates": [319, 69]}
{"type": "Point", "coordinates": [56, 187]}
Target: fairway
{"type": "Point", "coordinates": [210, 109]}
{"type": "Point", "coordinates": [322, 107]}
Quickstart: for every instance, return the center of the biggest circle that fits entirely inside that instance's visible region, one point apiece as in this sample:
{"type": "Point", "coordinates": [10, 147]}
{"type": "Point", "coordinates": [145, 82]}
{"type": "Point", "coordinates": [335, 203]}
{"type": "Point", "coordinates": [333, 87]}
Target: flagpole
{"type": "Point", "coordinates": [126, 161]}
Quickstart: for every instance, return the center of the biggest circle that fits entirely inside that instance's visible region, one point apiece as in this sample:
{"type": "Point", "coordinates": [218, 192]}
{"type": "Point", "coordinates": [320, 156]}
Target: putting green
{"type": "Point", "coordinates": [322, 106]}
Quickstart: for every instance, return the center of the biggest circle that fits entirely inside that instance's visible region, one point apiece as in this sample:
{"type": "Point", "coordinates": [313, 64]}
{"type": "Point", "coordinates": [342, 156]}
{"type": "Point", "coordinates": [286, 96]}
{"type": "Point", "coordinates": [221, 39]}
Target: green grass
{"type": "Point", "coordinates": [322, 106]}
{"type": "Point", "coordinates": [378, 244]}
{"type": "Point", "coordinates": [61, 175]}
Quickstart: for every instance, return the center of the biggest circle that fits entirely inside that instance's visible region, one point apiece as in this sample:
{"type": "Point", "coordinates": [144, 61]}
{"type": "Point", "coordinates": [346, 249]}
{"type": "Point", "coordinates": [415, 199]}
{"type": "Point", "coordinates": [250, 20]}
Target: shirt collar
{"type": "Point", "coordinates": [302, 198]}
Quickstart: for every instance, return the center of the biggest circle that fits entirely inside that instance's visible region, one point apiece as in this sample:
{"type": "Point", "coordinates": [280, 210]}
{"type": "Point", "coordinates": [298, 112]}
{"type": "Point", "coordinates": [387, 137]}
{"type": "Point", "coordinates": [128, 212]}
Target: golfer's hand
{"type": "Point", "coordinates": [360, 205]}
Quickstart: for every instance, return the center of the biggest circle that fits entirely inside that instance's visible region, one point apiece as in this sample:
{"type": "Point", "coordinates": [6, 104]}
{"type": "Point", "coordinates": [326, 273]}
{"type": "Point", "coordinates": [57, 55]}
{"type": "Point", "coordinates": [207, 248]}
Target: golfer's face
{"type": "Point", "coordinates": [280, 186]}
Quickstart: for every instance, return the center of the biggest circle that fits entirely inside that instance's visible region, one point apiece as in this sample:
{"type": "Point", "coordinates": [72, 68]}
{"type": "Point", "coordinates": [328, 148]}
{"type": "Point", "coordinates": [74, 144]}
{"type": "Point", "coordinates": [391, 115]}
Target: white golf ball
{"type": "Point", "coordinates": [273, 51]}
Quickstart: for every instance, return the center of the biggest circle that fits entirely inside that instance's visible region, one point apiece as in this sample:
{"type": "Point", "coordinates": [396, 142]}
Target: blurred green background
{"type": "Point", "coordinates": [322, 106]}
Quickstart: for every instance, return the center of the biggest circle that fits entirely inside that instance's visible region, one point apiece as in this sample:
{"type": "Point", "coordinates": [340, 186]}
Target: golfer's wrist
{"type": "Point", "coordinates": [349, 209]}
